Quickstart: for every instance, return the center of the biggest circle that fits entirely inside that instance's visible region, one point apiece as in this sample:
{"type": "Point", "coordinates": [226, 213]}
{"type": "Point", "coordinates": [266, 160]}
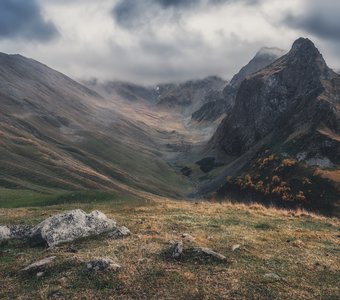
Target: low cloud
{"type": "Point", "coordinates": [24, 19]}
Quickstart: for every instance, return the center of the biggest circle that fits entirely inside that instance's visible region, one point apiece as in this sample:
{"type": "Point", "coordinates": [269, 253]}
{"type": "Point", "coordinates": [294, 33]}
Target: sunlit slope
{"type": "Point", "coordinates": [55, 134]}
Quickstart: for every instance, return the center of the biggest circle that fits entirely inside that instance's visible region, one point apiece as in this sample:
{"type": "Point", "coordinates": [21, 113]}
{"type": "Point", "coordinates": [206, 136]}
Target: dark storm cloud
{"type": "Point", "coordinates": [319, 18]}
{"type": "Point", "coordinates": [132, 13]}
{"type": "Point", "coordinates": [23, 19]}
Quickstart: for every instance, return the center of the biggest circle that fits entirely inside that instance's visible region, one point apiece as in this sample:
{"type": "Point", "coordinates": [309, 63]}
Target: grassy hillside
{"type": "Point", "coordinates": [57, 135]}
{"type": "Point", "coordinates": [301, 248]}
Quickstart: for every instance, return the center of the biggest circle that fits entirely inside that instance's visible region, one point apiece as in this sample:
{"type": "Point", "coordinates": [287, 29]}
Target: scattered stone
{"type": "Point", "coordinates": [188, 237]}
{"type": "Point", "coordinates": [40, 265]}
{"type": "Point", "coordinates": [209, 252]}
{"type": "Point", "coordinates": [235, 247]}
{"type": "Point", "coordinates": [40, 274]}
{"type": "Point", "coordinates": [298, 244]}
{"type": "Point", "coordinates": [272, 276]}
{"type": "Point", "coordinates": [69, 226]}
{"type": "Point", "coordinates": [177, 249]}
{"type": "Point", "coordinates": [120, 233]}
{"type": "Point", "coordinates": [102, 265]}
{"type": "Point", "coordinates": [56, 295]}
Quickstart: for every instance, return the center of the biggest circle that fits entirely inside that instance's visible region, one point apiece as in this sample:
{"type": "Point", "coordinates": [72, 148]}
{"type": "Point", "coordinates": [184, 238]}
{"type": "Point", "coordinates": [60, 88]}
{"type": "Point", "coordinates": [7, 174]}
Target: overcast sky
{"type": "Point", "coordinates": [151, 41]}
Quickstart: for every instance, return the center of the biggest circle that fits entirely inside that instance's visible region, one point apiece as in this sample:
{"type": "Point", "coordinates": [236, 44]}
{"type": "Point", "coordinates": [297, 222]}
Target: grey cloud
{"type": "Point", "coordinates": [23, 19]}
{"type": "Point", "coordinates": [319, 18]}
{"type": "Point", "coordinates": [133, 14]}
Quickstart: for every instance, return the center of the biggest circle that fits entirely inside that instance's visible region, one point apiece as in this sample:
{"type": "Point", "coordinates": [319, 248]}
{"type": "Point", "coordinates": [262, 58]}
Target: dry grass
{"type": "Point", "coordinates": [301, 247]}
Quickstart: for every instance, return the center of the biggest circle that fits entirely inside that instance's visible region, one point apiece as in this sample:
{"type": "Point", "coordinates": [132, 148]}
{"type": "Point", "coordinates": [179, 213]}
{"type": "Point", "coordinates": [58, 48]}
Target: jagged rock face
{"type": "Point", "coordinates": [214, 109]}
{"type": "Point", "coordinates": [70, 226]}
{"type": "Point", "coordinates": [211, 110]}
{"type": "Point", "coordinates": [297, 94]}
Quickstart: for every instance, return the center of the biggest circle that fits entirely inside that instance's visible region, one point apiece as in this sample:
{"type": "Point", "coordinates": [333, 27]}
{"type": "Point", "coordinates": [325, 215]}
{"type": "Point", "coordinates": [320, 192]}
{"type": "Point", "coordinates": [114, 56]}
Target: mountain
{"type": "Point", "coordinates": [212, 110]}
{"type": "Point", "coordinates": [56, 134]}
{"type": "Point", "coordinates": [286, 123]}
{"type": "Point", "coordinates": [296, 91]}
{"type": "Point", "coordinates": [188, 96]}
{"type": "Point", "coordinates": [124, 91]}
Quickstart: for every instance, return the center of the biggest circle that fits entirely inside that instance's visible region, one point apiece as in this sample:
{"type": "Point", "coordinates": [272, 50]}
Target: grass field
{"type": "Point", "coordinates": [301, 248]}
{"type": "Point", "coordinates": [25, 198]}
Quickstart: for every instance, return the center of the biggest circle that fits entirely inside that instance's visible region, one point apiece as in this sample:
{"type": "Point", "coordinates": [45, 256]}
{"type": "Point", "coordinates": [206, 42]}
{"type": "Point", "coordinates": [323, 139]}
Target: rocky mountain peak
{"type": "Point", "coordinates": [304, 44]}
{"type": "Point", "coordinates": [289, 94]}
{"type": "Point", "coordinates": [304, 51]}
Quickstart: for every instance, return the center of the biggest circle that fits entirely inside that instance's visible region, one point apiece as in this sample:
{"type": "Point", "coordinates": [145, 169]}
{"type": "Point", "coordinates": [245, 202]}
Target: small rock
{"type": "Point", "coordinates": [102, 265]}
{"type": "Point", "coordinates": [272, 276]}
{"type": "Point", "coordinates": [40, 274]}
{"type": "Point", "coordinates": [120, 233]}
{"type": "Point", "coordinates": [209, 252]}
{"type": "Point", "coordinates": [235, 247]}
{"type": "Point", "coordinates": [188, 237]}
{"type": "Point", "coordinates": [57, 295]}
{"type": "Point", "coordinates": [115, 267]}
{"type": "Point", "coordinates": [40, 265]}
{"type": "Point", "coordinates": [298, 244]}
{"type": "Point", "coordinates": [177, 249]}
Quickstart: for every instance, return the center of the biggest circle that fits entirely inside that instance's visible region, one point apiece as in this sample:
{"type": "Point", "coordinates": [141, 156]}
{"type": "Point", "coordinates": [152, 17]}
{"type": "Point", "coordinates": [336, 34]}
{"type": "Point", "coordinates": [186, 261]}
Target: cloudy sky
{"type": "Point", "coordinates": [151, 41]}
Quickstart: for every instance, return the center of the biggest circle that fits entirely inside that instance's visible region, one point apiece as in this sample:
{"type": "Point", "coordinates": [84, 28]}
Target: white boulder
{"type": "Point", "coordinates": [69, 226]}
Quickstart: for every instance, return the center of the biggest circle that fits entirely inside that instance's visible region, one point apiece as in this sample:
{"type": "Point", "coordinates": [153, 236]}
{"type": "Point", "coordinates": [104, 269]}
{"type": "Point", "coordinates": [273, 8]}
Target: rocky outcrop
{"type": "Point", "coordinates": [212, 110]}
{"type": "Point", "coordinates": [69, 226]}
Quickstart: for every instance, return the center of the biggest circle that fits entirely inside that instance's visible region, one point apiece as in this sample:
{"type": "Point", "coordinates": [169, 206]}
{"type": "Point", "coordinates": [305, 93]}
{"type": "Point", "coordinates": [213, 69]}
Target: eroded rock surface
{"type": "Point", "coordinates": [11, 232]}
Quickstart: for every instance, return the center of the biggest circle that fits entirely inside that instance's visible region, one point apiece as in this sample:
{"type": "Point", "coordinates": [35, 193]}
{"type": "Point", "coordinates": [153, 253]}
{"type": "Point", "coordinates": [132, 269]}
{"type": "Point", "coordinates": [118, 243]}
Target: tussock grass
{"type": "Point", "coordinates": [301, 247]}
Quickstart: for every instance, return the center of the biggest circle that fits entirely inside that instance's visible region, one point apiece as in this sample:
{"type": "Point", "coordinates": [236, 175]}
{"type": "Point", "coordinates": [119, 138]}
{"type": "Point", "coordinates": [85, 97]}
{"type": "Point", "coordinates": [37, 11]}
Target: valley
{"type": "Point", "coordinates": [204, 189]}
{"type": "Point", "coordinates": [181, 140]}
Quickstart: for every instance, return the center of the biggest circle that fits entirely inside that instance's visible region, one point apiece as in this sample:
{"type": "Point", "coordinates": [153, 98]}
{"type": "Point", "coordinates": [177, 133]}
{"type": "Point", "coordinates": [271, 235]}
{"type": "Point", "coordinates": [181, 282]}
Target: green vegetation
{"type": "Point", "coordinates": [21, 198]}
{"type": "Point", "coordinates": [300, 247]}
{"type": "Point", "coordinates": [207, 164]}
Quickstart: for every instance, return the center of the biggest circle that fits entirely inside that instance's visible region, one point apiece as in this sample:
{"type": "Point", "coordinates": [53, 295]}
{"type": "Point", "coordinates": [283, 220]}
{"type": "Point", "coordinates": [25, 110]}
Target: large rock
{"type": "Point", "coordinates": [69, 226]}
